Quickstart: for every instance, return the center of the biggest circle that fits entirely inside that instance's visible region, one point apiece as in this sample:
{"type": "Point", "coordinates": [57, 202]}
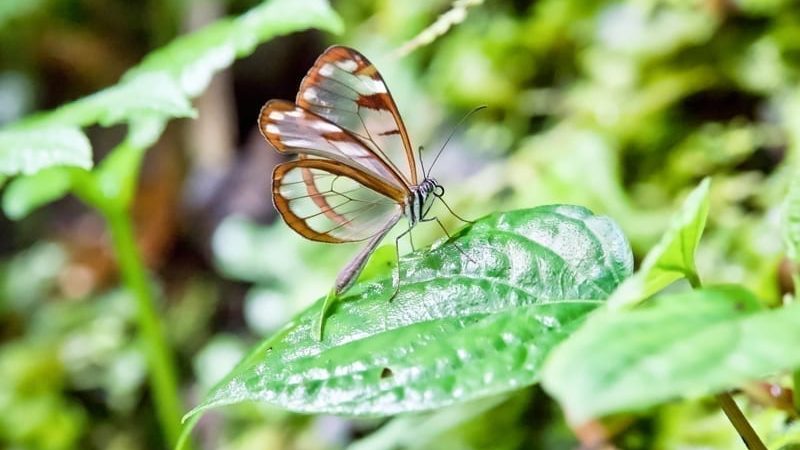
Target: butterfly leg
{"type": "Point", "coordinates": [396, 277]}
{"type": "Point", "coordinates": [348, 276]}
{"type": "Point", "coordinates": [454, 214]}
{"type": "Point", "coordinates": [431, 219]}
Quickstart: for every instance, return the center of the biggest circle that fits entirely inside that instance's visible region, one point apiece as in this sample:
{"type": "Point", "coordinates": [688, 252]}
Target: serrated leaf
{"type": "Point", "coordinates": [193, 59]}
{"type": "Point", "coordinates": [460, 328]}
{"type": "Point", "coordinates": [26, 151]}
{"type": "Point", "coordinates": [673, 257]}
{"type": "Point", "coordinates": [683, 345]}
{"type": "Point", "coordinates": [26, 193]}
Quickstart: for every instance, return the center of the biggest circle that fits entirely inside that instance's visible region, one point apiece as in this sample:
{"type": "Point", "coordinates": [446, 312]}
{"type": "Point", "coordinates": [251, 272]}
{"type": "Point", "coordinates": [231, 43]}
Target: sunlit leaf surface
{"type": "Point", "coordinates": [681, 345]}
{"type": "Point", "coordinates": [673, 257]}
{"type": "Point", "coordinates": [463, 325]}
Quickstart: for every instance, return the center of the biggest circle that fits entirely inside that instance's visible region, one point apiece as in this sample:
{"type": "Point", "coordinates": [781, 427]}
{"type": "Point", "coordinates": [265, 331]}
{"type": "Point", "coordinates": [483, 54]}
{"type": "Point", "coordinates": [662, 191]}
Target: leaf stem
{"type": "Point", "coordinates": [796, 373]}
{"type": "Point", "coordinates": [739, 421]}
{"type": "Point", "coordinates": [159, 358]}
{"type": "Point", "coordinates": [729, 406]}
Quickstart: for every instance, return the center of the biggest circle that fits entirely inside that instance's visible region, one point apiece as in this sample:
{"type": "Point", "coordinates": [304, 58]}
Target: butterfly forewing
{"type": "Point", "coordinates": [345, 88]}
{"type": "Point", "coordinates": [293, 129]}
{"type": "Point", "coordinates": [329, 202]}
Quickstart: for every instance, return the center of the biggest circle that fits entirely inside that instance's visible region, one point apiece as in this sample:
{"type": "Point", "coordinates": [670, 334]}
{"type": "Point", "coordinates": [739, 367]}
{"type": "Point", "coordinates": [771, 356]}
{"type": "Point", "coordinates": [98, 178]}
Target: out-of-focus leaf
{"type": "Point", "coordinates": [682, 345]}
{"type": "Point", "coordinates": [149, 95]}
{"type": "Point", "coordinates": [791, 220]}
{"type": "Point", "coordinates": [29, 151]}
{"type": "Point", "coordinates": [673, 257]}
{"type": "Point", "coordinates": [26, 193]}
{"type": "Point", "coordinates": [27, 277]}
{"type": "Point", "coordinates": [462, 326]}
{"type": "Point", "coordinates": [421, 431]}
{"type": "Point", "coordinates": [160, 87]}
{"type": "Point", "coordinates": [13, 10]}
{"type": "Point", "coordinates": [115, 177]}
{"type": "Point", "coordinates": [193, 59]}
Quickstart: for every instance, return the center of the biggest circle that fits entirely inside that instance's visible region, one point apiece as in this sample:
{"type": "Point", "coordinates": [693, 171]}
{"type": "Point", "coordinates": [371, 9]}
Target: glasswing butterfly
{"type": "Point", "coordinates": [356, 175]}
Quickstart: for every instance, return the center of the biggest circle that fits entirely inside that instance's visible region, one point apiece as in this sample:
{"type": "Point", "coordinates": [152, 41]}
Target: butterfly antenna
{"type": "Point", "coordinates": [452, 133]}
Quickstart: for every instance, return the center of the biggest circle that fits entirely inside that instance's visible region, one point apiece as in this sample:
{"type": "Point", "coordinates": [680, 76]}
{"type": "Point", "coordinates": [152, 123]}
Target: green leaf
{"type": "Point", "coordinates": [26, 193]}
{"type": "Point", "coordinates": [193, 59]}
{"type": "Point", "coordinates": [146, 96]}
{"type": "Point", "coordinates": [13, 10]}
{"type": "Point", "coordinates": [159, 88]}
{"type": "Point", "coordinates": [460, 328]}
{"type": "Point", "coordinates": [683, 345]}
{"type": "Point", "coordinates": [112, 182]}
{"type": "Point", "coordinates": [28, 151]}
{"type": "Point", "coordinates": [673, 257]}
{"type": "Point", "coordinates": [438, 428]}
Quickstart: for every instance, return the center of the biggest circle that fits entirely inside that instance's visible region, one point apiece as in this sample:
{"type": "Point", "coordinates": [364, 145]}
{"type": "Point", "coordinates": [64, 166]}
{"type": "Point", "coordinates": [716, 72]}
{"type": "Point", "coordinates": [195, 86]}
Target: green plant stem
{"type": "Point", "coordinates": [739, 421]}
{"type": "Point", "coordinates": [796, 374]}
{"type": "Point", "coordinates": [729, 406]}
{"type": "Point", "coordinates": [159, 358]}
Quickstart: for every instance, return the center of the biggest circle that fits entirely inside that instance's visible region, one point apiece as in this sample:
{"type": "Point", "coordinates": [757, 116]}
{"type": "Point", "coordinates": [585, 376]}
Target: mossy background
{"type": "Point", "coordinates": [621, 107]}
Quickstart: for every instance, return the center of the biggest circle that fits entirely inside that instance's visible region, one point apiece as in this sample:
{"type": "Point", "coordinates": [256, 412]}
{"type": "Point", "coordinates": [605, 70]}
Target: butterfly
{"type": "Point", "coordinates": [356, 175]}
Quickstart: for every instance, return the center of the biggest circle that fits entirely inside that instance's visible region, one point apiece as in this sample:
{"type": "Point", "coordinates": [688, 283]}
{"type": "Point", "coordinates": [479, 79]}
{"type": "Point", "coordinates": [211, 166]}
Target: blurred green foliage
{"type": "Point", "coordinates": [620, 106]}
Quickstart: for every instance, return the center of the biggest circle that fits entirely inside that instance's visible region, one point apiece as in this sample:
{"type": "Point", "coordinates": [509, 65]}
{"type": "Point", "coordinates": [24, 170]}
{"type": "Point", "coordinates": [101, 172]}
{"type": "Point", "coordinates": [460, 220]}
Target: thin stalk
{"type": "Point", "coordinates": [739, 421]}
{"type": "Point", "coordinates": [796, 373]}
{"type": "Point", "coordinates": [160, 360]}
{"type": "Point", "coordinates": [729, 406]}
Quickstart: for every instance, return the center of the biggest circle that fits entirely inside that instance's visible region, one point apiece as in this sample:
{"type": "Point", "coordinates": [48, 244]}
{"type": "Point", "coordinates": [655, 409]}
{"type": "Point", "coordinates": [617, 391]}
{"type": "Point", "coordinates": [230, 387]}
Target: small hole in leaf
{"type": "Point", "coordinates": [386, 373]}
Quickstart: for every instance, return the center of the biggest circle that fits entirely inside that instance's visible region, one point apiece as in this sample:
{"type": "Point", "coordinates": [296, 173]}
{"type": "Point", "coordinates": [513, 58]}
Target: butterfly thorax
{"type": "Point", "coordinates": [420, 200]}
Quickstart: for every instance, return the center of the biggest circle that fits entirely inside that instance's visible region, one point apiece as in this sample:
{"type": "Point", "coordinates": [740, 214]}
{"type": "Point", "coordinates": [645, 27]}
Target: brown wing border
{"type": "Point", "coordinates": [285, 106]}
{"type": "Point", "coordinates": [365, 67]}
{"type": "Point", "coordinates": [297, 223]}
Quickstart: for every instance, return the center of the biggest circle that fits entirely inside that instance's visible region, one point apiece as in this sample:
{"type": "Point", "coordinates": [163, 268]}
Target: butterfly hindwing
{"type": "Point", "coordinates": [329, 202]}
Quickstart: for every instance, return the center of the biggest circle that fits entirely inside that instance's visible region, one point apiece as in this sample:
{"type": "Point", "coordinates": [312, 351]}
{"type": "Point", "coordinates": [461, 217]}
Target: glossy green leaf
{"type": "Point", "coordinates": [683, 345]}
{"type": "Point", "coordinates": [673, 257]}
{"type": "Point", "coordinates": [463, 325]}
{"type": "Point", "coordinates": [193, 59]}
{"type": "Point", "coordinates": [28, 151]}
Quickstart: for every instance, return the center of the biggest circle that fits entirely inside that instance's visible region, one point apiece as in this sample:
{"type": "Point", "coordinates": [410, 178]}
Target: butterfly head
{"type": "Point", "coordinates": [431, 186]}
